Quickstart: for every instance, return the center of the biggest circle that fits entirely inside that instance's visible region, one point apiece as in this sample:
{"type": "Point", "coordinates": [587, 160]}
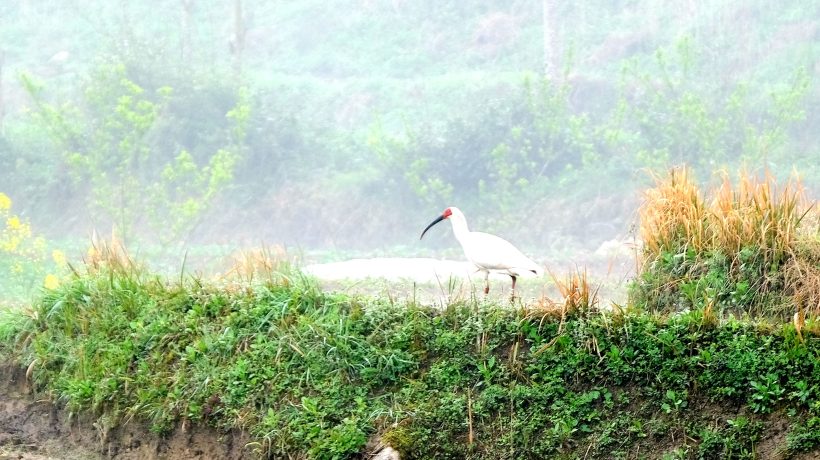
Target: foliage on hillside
{"type": "Point", "coordinates": [398, 105]}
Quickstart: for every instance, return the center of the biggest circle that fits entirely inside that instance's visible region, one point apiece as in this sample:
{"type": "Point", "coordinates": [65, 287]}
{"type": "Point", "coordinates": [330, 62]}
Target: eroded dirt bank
{"type": "Point", "coordinates": [32, 428]}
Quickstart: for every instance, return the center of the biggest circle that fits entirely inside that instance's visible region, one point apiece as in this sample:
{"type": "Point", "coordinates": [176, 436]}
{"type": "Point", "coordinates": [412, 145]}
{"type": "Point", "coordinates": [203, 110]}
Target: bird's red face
{"type": "Point", "coordinates": [447, 213]}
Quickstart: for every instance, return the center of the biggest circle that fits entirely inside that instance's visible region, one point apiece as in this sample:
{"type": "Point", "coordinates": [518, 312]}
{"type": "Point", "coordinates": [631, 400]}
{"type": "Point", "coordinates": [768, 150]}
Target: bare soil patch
{"type": "Point", "coordinates": [34, 428]}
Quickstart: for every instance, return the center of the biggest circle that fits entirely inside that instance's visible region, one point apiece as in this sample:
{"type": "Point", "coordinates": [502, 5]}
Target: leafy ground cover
{"type": "Point", "coordinates": [317, 374]}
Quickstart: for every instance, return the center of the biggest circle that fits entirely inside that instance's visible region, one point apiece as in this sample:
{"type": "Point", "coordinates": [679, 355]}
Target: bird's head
{"type": "Point", "coordinates": [444, 215]}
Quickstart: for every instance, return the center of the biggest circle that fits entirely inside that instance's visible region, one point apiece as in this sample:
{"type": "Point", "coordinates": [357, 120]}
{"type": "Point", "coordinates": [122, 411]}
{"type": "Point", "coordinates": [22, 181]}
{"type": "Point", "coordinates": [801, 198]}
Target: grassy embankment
{"type": "Point", "coordinates": [718, 346]}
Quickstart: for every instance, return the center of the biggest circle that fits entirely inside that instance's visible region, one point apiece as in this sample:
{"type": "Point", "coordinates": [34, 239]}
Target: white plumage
{"type": "Point", "coordinates": [488, 253]}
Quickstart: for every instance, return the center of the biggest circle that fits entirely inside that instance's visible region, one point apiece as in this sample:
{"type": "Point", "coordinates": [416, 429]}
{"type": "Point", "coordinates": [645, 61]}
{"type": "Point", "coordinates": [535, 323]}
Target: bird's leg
{"type": "Point", "coordinates": [512, 295]}
{"type": "Point", "coordinates": [486, 283]}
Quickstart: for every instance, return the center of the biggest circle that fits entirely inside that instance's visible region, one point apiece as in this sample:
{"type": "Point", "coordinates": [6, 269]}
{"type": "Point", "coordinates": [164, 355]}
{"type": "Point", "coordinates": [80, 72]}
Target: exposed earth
{"type": "Point", "coordinates": [32, 428]}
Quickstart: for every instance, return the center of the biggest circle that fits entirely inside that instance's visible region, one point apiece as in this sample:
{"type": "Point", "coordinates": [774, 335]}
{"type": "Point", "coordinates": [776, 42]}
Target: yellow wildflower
{"type": "Point", "coordinates": [5, 201]}
{"type": "Point", "coordinates": [14, 223]}
{"type": "Point", "coordinates": [51, 282]}
{"type": "Point", "coordinates": [58, 256]}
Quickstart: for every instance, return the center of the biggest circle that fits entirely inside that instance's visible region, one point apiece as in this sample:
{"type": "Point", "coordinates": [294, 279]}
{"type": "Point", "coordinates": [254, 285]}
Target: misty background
{"type": "Point", "coordinates": [337, 128]}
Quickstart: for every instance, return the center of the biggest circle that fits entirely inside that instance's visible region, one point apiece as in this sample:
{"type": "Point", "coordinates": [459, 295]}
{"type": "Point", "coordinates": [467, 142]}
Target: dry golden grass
{"type": "Point", "coordinates": [673, 214]}
{"type": "Point", "coordinates": [107, 254]}
{"type": "Point", "coordinates": [802, 279]}
{"type": "Point", "coordinates": [576, 294]}
{"type": "Point", "coordinates": [757, 213]}
{"type": "Point", "coordinates": [261, 264]}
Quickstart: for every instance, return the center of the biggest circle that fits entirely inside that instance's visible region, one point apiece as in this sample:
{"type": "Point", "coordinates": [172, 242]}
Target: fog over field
{"type": "Point", "coordinates": [339, 129]}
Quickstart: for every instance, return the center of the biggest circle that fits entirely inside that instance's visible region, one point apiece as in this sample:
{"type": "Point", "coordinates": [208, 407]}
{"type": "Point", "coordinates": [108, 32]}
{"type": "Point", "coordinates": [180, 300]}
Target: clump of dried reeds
{"type": "Point", "coordinates": [752, 216]}
{"type": "Point", "coordinates": [110, 254]}
{"type": "Point", "coordinates": [576, 296]}
{"type": "Point", "coordinates": [755, 213]}
{"type": "Point", "coordinates": [802, 279]}
{"type": "Point", "coordinates": [673, 215]}
{"type": "Point", "coordinates": [260, 264]}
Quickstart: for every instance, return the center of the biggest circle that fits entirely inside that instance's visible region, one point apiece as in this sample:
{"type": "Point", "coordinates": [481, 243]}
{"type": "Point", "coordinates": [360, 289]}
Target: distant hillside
{"type": "Point", "coordinates": [359, 108]}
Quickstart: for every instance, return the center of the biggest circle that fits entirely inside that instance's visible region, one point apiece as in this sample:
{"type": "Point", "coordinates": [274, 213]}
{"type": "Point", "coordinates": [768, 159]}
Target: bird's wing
{"type": "Point", "coordinates": [493, 253]}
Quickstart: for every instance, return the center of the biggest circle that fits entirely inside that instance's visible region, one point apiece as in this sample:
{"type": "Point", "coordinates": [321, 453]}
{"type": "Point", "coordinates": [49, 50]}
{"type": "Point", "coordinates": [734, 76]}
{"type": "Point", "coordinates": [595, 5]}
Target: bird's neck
{"type": "Point", "coordinates": [459, 226]}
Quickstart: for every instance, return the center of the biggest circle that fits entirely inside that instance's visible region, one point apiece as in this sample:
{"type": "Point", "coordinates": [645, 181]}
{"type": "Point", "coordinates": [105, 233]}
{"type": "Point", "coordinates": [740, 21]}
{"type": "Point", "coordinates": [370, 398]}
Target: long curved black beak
{"type": "Point", "coordinates": [438, 219]}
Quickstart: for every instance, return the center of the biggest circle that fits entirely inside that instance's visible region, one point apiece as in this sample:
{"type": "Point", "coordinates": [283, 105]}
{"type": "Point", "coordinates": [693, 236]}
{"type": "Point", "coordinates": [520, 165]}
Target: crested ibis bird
{"type": "Point", "coordinates": [488, 253]}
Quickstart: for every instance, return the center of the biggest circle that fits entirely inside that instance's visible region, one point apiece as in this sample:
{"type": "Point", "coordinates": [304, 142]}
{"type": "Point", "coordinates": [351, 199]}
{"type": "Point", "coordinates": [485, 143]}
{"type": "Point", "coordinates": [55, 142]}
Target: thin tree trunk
{"type": "Point", "coordinates": [126, 33]}
{"type": "Point", "coordinates": [185, 32]}
{"type": "Point", "coordinates": [238, 38]}
{"type": "Point", "coordinates": [693, 10]}
{"type": "Point", "coordinates": [552, 52]}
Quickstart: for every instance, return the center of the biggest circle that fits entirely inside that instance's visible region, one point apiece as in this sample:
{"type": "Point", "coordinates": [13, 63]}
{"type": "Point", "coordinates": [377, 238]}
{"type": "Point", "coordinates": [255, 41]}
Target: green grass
{"type": "Point", "coordinates": [317, 374]}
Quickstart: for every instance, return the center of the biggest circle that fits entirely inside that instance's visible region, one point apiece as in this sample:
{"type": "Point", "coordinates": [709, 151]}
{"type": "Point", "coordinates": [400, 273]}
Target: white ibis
{"type": "Point", "coordinates": [488, 253]}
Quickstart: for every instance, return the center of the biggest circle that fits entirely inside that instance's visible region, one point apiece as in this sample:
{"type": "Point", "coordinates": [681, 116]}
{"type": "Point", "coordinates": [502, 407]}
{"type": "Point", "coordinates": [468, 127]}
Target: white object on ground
{"type": "Point", "coordinates": [420, 270]}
